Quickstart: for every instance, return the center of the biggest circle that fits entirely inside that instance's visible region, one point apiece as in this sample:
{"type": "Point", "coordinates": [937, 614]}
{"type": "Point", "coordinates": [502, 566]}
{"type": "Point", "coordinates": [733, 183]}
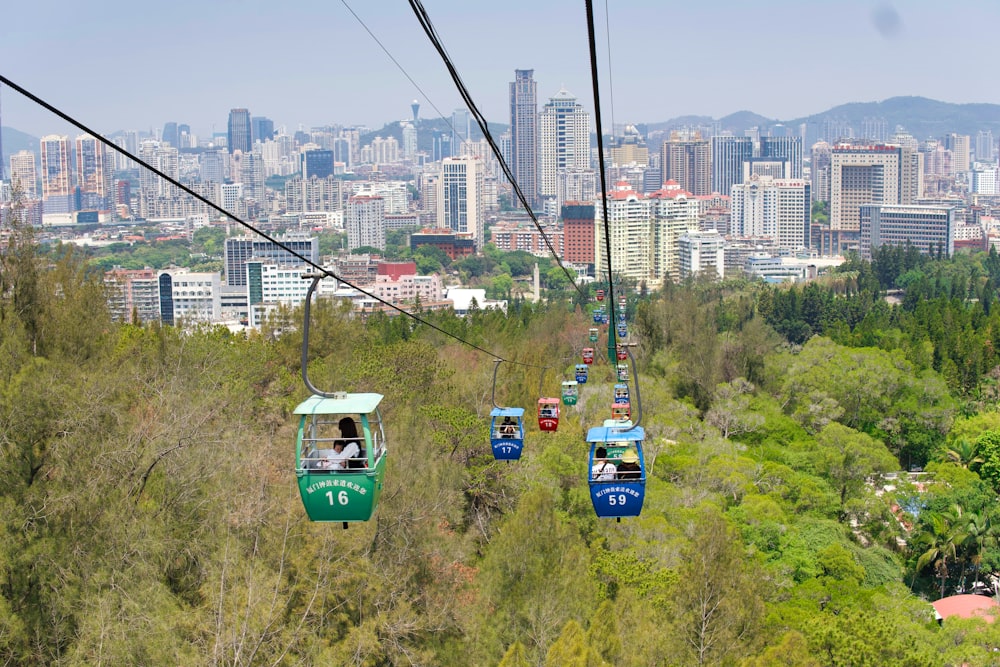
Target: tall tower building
{"type": "Point", "coordinates": [171, 134]}
{"type": "Point", "coordinates": [365, 222]}
{"type": "Point", "coordinates": [728, 156]}
{"type": "Point", "coordinates": [523, 131]}
{"type": "Point", "coordinates": [22, 170]}
{"type": "Point", "coordinates": [460, 197]}
{"type": "Point", "coordinates": [687, 159]}
{"type": "Point", "coordinates": [563, 140]}
{"type": "Point", "coordinates": [263, 128]}
{"type": "Point", "coordinates": [862, 175]}
{"type": "Point", "coordinates": [985, 146]}
{"type": "Point", "coordinates": [240, 135]}
{"type": "Point", "coordinates": [56, 180]}
{"type": "Point", "coordinates": [93, 173]}
{"type": "Point", "coordinates": [778, 209]}
{"type": "Point", "coordinates": [819, 171]}
{"type": "Point", "coordinates": [959, 144]}
{"type": "Point", "coordinates": [783, 148]}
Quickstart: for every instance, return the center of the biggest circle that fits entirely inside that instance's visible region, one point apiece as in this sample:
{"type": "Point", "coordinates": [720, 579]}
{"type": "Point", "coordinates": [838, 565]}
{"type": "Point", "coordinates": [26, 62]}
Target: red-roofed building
{"type": "Point", "coordinates": [967, 606]}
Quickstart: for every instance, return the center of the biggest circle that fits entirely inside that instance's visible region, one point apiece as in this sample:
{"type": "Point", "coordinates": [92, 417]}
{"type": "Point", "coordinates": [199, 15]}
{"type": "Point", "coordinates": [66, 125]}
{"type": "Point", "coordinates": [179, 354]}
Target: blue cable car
{"type": "Point", "coordinates": [618, 478]}
{"type": "Point", "coordinates": [621, 393]}
{"type": "Point", "coordinates": [598, 317]}
{"type": "Point", "coordinates": [581, 373]}
{"type": "Point", "coordinates": [507, 433]}
{"type": "Point", "coordinates": [622, 329]}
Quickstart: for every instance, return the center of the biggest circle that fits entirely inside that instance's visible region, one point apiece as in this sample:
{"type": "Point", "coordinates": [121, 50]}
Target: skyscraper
{"type": "Point", "coordinates": [687, 159]}
{"type": "Point", "coordinates": [365, 222]}
{"type": "Point", "coordinates": [263, 128]}
{"type": "Point", "coordinates": [171, 134]}
{"type": "Point", "coordinates": [240, 135]}
{"type": "Point", "coordinates": [460, 197]}
{"type": "Point", "coordinates": [93, 173]}
{"type": "Point", "coordinates": [786, 148]}
{"type": "Point", "coordinates": [778, 209]}
{"type": "Point", "coordinates": [862, 175]}
{"type": "Point", "coordinates": [56, 180]}
{"type": "Point", "coordinates": [22, 170]}
{"type": "Point", "coordinates": [728, 155]}
{"type": "Point", "coordinates": [523, 131]}
{"type": "Point", "coordinates": [563, 140]}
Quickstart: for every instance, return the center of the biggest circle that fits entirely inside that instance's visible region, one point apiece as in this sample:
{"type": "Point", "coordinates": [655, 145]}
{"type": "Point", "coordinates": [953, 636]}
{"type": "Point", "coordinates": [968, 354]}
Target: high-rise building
{"type": "Point", "coordinates": [23, 172]}
{"type": "Point", "coordinates": [93, 173]}
{"type": "Point", "coordinates": [578, 232]}
{"type": "Point", "coordinates": [873, 174]}
{"type": "Point", "coordinates": [409, 134]}
{"type": "Point", "coordinates": [262, 128]}
{"type": "Point", "coordinates": [819, 171]}
{"type": "Point", "coordinates": [461, 127]}
{"type": "Point", "coordinates": [318, 163]}
{"type": "Point", "coordinates": [783, 148]}
{"type": "Point", "coordinates": [986, 146]}
{"type": "Point", "coordinates": [930, 229]}
{"type": "Point", "coordinates": [364, 222]}
{"type": "Point", "coordinates": [240, 133]}
{"type": "Point", "coordinates": [459, 197]}
{"type": "Point", "coordinates": [776, 209]}
{"type": "Point", "coordinates": [959, 146]}
{"type": "Point", "coordinates": [212, 166]}
{"type": "Point", "coordinates": [240, 249]}
{"type": "Point", "coordinates": [629, 149]}
{"type": "Point", "coordinates": [56, 176]}
{"type": "Point", "coordinates": [157, 195]}
{"type": "Point", "coordinates": [170, 135]}
{"type": "Point", "coordinates": [728, 156]}
{"type": "Point", "coordinates": [687, 159]}
{"type": "Point", "coordinates": [563, 140]}
{"type": "Point", "coordinates": [644, 232]}
{"type": "Point", "coordinates": [523, 131]}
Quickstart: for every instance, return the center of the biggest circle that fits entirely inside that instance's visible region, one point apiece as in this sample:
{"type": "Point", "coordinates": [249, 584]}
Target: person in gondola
{"type": "Point", "coordinates": [346, 450]}
{"type": "Point", "coordinates": [629, 468]}
{"type": "Point", "coordinates": [508, 429]}
{"type": "Point", "coordinates": [602, 470]}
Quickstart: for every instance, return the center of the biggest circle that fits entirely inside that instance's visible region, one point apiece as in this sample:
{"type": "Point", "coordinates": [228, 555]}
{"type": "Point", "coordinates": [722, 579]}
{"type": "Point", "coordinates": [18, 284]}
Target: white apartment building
{"type": "Point", "coordinates": [189, 298]}
{"type": "Point", "coordinates": [394, 194]}
{"type": "Point", "coordinates": [563, 140]}
{"type": "Point", "coordinates": [365, 222]}
{"type": "Point", "coordinates": [700, 252]}
{"type": "Point", "coordinates": [22, 171]}
{"type": "Point", "coordinates": [773, 208]}
{"type": "Point", "coordinates": [644, 232]}
{"type": "Point", "coordinates": [459, 197]}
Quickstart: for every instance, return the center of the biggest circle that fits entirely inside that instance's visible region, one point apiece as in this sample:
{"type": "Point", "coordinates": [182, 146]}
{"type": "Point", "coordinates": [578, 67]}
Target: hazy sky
{"type": "Point", "coordinates": [134, 65]}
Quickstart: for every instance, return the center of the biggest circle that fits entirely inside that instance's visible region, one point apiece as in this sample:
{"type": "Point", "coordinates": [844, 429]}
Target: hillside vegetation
{"type": "Point", "coordinates": [149, 511]}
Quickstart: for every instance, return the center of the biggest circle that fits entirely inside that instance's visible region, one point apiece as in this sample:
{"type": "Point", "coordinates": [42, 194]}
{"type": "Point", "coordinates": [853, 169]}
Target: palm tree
{"type": "Point", "coordinates": [981, 535]}
{"type": "Point", "coordinates": [964, 453]}
{"type": "Point", "coordinates": [941, 539]}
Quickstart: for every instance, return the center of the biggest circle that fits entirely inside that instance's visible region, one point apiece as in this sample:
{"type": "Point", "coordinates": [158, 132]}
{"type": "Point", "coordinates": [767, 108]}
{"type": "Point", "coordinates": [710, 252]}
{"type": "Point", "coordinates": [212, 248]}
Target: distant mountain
{"type": "Point", "coordinates": [14, 141]}
{"type": "Point", "coordinates": [922, 117]}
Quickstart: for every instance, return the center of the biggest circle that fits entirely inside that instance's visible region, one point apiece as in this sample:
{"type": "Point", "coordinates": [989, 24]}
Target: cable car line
{"type": "Point", "coordinates": [403, 70]}
{"type": "Point", "coordinates": [325, 272]}
{"type": "Point", "coordinates": [429, 30]}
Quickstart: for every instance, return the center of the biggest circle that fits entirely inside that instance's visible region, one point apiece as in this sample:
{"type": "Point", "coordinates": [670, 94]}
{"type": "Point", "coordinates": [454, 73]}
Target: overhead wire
{"type": "Point", "coordinates": [425, 22]}
{"type": "Point", "coordinates": [326, 272]}
{"type": "Point", "coordinates": [403, 70]}
{"type": "Point", "coordinates": [612, 347]}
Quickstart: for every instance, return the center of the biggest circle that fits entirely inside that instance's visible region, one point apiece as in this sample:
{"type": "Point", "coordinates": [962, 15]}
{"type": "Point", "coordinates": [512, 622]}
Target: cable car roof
{"type": "Point", "coordinates": [346, 404]}
{"type": "Point", "coordinates": [615, 434]}
{"type": "Point", "coordinates": [507, 412]}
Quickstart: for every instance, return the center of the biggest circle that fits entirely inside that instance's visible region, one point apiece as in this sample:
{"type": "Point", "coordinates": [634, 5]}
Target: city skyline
{"type": "Point", "coordinates": [164, 80]}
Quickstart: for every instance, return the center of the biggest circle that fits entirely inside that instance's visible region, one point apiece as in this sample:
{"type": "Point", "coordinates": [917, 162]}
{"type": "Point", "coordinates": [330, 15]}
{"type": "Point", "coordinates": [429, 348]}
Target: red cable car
{"type": "Point", "coordinates": [548, 414]}
{"type": "Point", "coordinates": [621, 411]}
{"type": "Point", "coordinates": [588, 355]}
{"type": "Point", "coordinates": [622, 353]}
{"type": "Point", "coordinates": [600, 295]}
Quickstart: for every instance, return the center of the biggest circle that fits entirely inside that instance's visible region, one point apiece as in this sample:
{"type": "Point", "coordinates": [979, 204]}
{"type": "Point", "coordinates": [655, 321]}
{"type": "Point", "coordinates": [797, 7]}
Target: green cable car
{"type": "Point", "coordinates": [340, 447]}
{"type": "Point", "coordinates": [340, 486]}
